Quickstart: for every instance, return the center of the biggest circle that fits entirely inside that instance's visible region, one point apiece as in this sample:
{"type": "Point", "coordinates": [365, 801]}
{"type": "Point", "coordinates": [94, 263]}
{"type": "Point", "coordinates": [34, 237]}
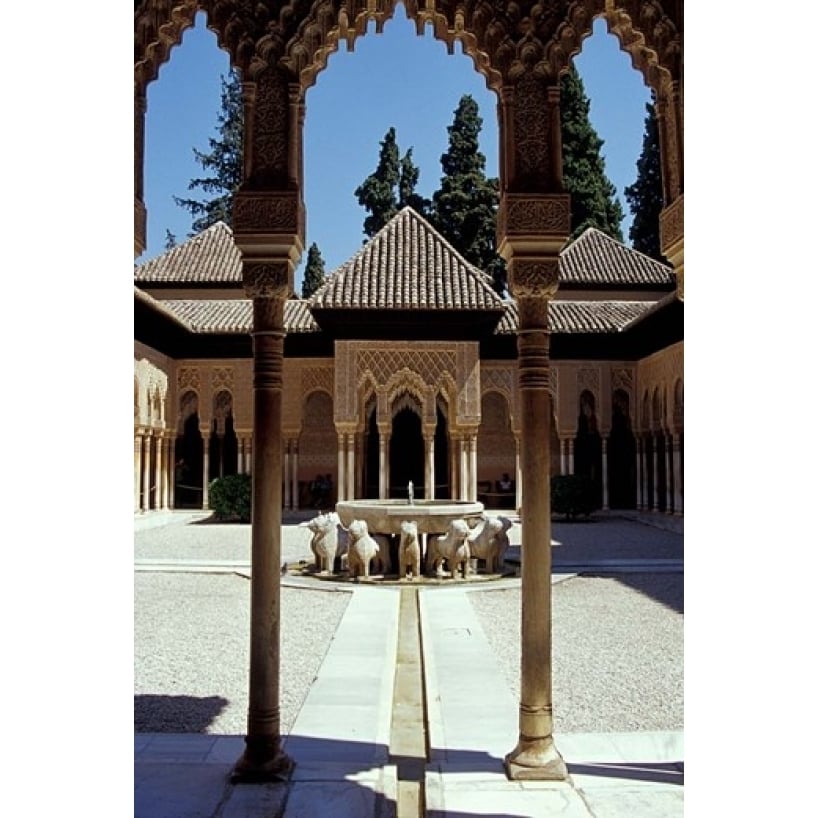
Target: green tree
{"type": "Point", "coordinates": [391, 187]}
{"type": "Point", "coordinates": [223, 162]}
{"type": "Point", "coordinates": [464, 208]}
{"type": "Point", "coordinates": [645, 194]}
{"type": "Point", "coordinates": [407, 195]}
{"type": "Point", "coordinates": [593, 196]}
{"type": "Point", "coordinates": [170, 240]}
{"type": "Point", "coordinates": [313, 271]}
{"type": "Point", "coordinates": [377, 192]}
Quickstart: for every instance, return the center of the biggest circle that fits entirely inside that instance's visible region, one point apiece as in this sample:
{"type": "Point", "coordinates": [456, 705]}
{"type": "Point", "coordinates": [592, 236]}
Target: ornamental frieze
{"type": "Point", "coordinates": [265, 212]}
{"type": "Point", "coordinates": [671, 223]}
{"type": "Point", "coordinates": [523, 214]}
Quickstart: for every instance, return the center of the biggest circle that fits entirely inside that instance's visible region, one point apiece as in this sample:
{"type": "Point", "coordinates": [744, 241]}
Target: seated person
{"type": "Point", "coordinates": [504, 483]}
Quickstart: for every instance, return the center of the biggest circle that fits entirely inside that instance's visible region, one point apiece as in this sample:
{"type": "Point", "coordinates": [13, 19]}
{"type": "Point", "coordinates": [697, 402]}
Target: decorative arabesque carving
{"type": "Point", "coordinates": [522, 214]}
{"type": "Point", "coordinates": [222, 378]}
{"type": "Point", "coordinates": [588, 379]}
{"type": "Point", "coordinates": [188, 377]}
{"type": "Point", "coordinates": [270, 133]}
{"type": "Point", "coordinates": [265, 212]}
{"type": "Point", "coordinates": [266, 280]}
{"type": "Point", "coordinates": [534, 279]}
{"type": "Point", "coordinates": [531, 134]}
{"type": "Point", "coordinates": [622, 379]}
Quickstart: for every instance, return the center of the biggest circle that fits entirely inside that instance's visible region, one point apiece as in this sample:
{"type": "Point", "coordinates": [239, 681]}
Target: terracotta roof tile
{"type": "Point", "coordinates": [407, 265]}
{"type": "Point", "coordinates": [594, 258]}
{"type": "Point", "coordinates": [566, 317]}
{"type": "Point", "coordinates": [235, 315]}
{"type": "Point", "coordinates": [209, 257]}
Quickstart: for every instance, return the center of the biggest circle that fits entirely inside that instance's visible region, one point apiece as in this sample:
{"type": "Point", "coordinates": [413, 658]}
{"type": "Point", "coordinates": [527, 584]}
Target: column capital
{"type": "Point", "coordinates": [533, 278]}
{"type": "Point", "coordinates": [267, 279]}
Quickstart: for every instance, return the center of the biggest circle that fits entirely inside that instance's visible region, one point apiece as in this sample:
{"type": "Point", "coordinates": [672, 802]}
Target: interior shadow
{"type": "Point", "coordinates": [154, 713]}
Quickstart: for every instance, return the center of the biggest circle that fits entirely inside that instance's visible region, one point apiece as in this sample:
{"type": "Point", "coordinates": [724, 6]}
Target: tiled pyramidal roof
{"type": "Point", "coordinates": [211, 256]}
{"type": "Point", "coordinates": [407, 265]}
{"type": "Point", "coordinates": [566, 317]}
{"type": "Point", "coordinates": [596, 259]}
{"type": "Point", "coordinates": [234, 316]}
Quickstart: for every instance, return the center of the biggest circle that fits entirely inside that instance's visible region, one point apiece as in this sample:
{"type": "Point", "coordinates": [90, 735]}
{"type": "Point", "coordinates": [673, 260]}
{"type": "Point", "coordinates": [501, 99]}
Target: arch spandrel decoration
{"type": "Point", "coordinates": [502, 378]}
{"type": "Point", "coordinates": [302, 377]}
{"type": "Point", "coordinates": [427, 369]}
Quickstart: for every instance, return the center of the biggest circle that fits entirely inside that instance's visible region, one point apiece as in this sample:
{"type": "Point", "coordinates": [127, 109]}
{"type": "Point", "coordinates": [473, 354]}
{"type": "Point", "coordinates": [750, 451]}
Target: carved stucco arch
{"type": "Point", "coordinates": [409, 382]}
{"type": "Point", "coordinates": [189, 404]}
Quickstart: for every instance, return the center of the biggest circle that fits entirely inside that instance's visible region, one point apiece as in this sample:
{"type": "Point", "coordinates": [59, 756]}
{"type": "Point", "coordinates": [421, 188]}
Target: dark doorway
{"type": "Point", "coordinates": [189, 455]}
{"type": "Point", "coordinates": [621, 455]}
{"type": "Point", "coordinates": [588, 446]}
{"type": "Point", "coordinates": [371, 457]}
{"type": "Point", "coordinates": [406, 454]}
{"type": "Point", "coordinates": [443, 489]}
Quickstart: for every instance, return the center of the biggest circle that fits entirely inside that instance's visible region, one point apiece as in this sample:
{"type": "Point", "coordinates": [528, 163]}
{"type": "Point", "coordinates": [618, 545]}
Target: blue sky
{"type": "Point", "coordinates": [392, 79]}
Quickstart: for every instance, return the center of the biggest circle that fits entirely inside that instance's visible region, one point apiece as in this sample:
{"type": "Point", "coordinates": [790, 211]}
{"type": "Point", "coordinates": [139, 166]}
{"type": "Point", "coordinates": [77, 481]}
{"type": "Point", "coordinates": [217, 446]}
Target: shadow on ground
{"type": "Point", "coordinates": [155, 713]}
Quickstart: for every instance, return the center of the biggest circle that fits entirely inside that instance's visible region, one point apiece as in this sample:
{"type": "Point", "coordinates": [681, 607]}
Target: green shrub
{"type": "Point", "coordinates": [231, 497]}
{"type": "Point", "coordinates": [572, 495]}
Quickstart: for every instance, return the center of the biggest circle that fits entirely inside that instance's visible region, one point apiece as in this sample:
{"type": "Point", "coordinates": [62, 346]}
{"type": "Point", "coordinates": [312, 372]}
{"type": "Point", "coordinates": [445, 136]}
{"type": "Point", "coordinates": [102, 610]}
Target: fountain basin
{"type": "Point", "coordinates": [385, 516]}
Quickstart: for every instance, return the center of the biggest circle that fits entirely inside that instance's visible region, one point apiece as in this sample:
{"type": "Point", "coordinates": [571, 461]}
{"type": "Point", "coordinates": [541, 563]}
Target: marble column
{"type": "Point", "coordinates": [533, 224]}
{"type": "Point", "coordinates": [640, 494]}
{"type": "Point", "coordinates": [570, 455]}
{"type": "Point", "coordinates": [350, 446]}
{"type": "Point", "coordinates": [677, 476]}
{"type": "Point", "coordinates": [464, 469]}
{"type": "Point", "coordinates": [287, 476]}
{"type": "Point", "coordinates": [167, 470]}
{"type": "Point", "coordinates": [605, 502]}
{"type": "Point", "coordinates": [342, 471]}
{"type": "Point", "coordinates": [670, 456]}
{"type": "Point", "coordinates": [429, 478]}
{"type": "Point", "coordinates": [172, 472]}
{"type": "Point", "coordinates": [158, 474]}
{"type": "Point", "coordinates": [263, 758]}
{"type": "Point", "coordinates": [563, 456]}
{"type": "Point", "coordinates": [137, 470]}
{"type": "Point", "coordinates": [205, 470]}
{"type": "Point", "coordinates": [654, 500]}
{"type": "Point", "coordinates": [383, 464]}
{"type": "Point", "coordinates": [296, 499]}
{"type": "Point", "coordinates": [146, 471]}
{"type": "Point", "coordinates": [518, 474]}
{"type": "Point", "coordinates": [473, 468]}
{"type": "Point", "coordinates": [536, 755]}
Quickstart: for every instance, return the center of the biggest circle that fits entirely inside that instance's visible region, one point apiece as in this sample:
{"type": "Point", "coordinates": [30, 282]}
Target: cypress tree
{"type": "Point", "coordinates": [464, 209]}
{"type": "Point", "coordinates": [224, 161]}
{"type": "Point", "coordinates": [313, 272]}
{"type": "Point", "coordinates": [593, 196]}
{"type": "Point", "coordinates": [377, 192]}
{"type": "Point", "coordinates": [645, 194]}
{"type": "Point", "coordinates": [409, 175]}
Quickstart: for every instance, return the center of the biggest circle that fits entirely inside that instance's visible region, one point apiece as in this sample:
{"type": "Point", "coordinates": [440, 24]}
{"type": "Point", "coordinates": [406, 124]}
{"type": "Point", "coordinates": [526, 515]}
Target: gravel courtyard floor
{"type": "Point", "coordinates": [617, 639]}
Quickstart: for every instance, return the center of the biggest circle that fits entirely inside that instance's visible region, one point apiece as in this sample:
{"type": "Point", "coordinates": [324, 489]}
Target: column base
{"type": "Point", "coordinates": [263, 760]}
{"type": "Point", "coordinates": [535, 760]}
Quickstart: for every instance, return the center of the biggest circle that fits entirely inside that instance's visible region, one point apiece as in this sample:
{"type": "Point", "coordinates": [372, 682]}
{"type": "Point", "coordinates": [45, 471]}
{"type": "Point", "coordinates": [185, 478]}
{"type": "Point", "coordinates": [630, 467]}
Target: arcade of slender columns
{"type": "Point", "coordinates": [647, 472]}
{"type": "Point", "coordinates": [605, 505]}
